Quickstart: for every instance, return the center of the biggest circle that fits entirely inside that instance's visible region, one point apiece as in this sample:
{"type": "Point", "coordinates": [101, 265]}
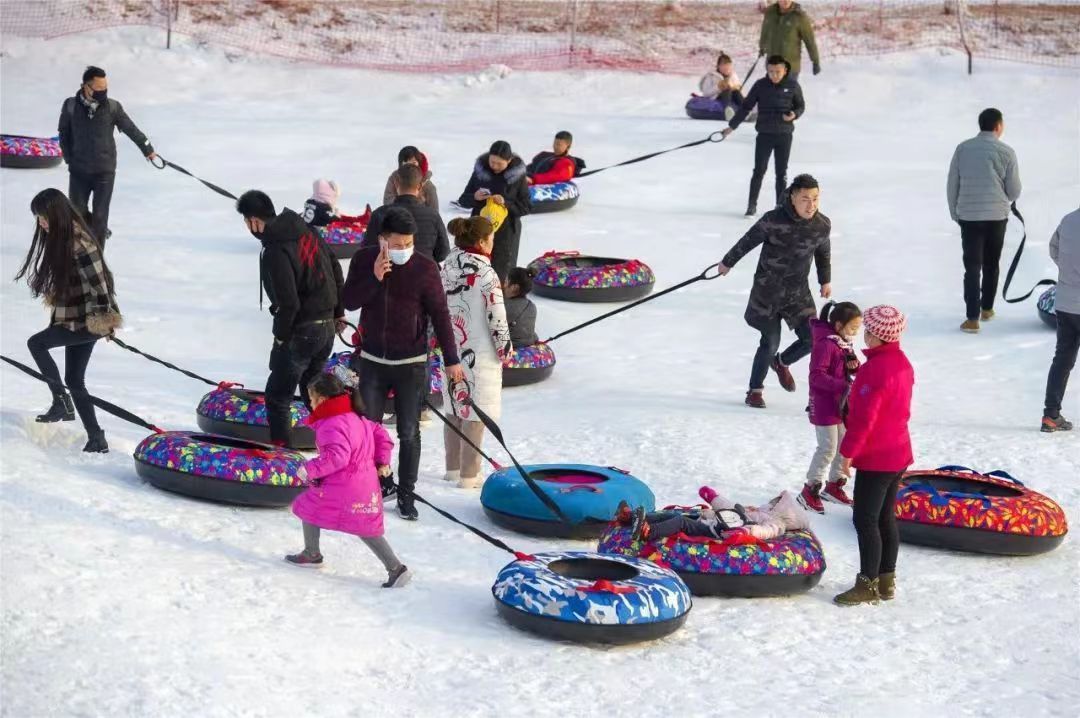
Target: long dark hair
{"type": "Point", "coordinates": [329, 386]}
{"type": "Point", "coordinates": [50, 264]}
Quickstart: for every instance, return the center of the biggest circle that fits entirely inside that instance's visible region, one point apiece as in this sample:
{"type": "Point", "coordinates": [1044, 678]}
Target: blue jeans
{"type": "Point", "coordinates": [770, 343]}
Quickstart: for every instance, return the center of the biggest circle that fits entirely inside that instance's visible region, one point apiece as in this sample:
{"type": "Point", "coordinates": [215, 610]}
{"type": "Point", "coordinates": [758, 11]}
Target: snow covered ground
{"type": "Point", "coordinates": [120, 600]}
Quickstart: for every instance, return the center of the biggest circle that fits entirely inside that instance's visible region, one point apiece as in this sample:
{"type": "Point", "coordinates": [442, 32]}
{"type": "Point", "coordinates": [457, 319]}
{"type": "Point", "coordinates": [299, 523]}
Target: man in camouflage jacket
{"type": "Point", "coordinates": [791, 236]}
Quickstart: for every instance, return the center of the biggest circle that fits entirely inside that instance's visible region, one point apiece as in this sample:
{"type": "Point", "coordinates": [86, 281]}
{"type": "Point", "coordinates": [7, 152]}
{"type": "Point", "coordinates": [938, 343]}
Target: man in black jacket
{"type": "Point", "coordinates": [779, 101]}
{"type": "Point", "coordinates": [430, 239]}
{"type": "Point", "coordinates": [791, 237]}
{"type": "Point", "coordinates": [87, 121]}
{"type": "Point", "coordinates": [303, 281]}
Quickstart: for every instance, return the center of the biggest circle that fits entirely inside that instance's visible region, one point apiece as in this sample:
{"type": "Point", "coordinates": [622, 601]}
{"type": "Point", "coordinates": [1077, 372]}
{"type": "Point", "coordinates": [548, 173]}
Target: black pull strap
{"type": "Point", "coordinates": [1016, 262]}
{"type": "Point", "coordinates": [488, 422]}
{"type": "Point", "coordinates": [106, 406]}
{"type": "Point", "coordinates": [705, 275]}
{"type": "Point", "coordinates": [162, 362]}
{"type": "Point", "coordinates": [714, 137]}
{"type": "Point", "coordinates": [165, 163]}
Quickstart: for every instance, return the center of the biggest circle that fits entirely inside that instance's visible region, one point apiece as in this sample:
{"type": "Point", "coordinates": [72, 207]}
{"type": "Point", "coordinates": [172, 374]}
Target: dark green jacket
{"type": "Point", "coordinates": [782, 33]}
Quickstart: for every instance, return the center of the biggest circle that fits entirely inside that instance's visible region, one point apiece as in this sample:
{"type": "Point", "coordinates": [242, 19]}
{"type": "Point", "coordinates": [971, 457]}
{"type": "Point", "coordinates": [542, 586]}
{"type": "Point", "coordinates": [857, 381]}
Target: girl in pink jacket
{"type": "Point", "coordinates": [345, 494]}
{"type": "Point", "coordinates": [832, 366]}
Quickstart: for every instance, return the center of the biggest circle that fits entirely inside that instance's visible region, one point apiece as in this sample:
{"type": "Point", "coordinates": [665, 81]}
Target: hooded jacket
{"type": "Point", "coordinates": [510, 183]}
{"type": "Point", "coordinates": [301, 277]}
{"type": "Point", "coordinates": [788, 244]}
{"type": "Point", "coordinates": [829, 378]}
{"type": "Point", "coordinates": [430, 238]}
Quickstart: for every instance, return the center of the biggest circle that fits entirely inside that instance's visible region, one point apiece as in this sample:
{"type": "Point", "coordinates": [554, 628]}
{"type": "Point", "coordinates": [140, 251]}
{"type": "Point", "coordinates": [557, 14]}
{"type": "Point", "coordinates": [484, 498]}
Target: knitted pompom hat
{"type": "Point", "coordinates": [324, 190]}
{"type": "Point", "coordinates": [885, 322]}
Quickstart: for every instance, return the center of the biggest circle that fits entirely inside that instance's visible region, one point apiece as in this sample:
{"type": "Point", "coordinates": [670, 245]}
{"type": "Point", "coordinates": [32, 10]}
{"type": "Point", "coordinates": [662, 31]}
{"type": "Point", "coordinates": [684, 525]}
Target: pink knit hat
{"type": "Point", "coordinates": [885, 322]}
{"type": "Point", "coordinates": [323, 190]}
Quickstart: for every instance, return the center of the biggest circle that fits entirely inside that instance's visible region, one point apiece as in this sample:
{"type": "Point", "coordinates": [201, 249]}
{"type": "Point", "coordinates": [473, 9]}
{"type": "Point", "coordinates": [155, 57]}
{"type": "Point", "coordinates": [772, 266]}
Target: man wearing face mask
{"type": "Point", "coordinates": [399, 292]}
{"type": "Point", "coordinates": [87, 122]}
{"type": "Point", "coordinates": [791, 236]}
{"type": "Point", "coordinates": [303, 281]}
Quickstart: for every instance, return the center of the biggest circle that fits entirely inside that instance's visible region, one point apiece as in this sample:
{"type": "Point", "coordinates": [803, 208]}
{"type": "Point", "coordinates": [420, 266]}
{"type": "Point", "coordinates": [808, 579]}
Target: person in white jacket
{"type": "Point", "coordinates": [1065, 251]}
{"type": "Point", "coordinates": [474, 297]}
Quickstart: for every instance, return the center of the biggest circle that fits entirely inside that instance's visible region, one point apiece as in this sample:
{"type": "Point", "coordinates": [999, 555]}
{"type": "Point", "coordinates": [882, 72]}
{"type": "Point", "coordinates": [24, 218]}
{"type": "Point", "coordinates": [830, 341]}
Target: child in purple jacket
{"type": "Point", "coordinates": [833, 364]}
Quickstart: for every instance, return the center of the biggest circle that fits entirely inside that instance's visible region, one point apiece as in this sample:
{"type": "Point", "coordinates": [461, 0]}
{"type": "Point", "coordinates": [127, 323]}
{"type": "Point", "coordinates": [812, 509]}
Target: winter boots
{"type": "Point", "coordinates": [834, 491]}
{"type": "Point", "coordinates": [986, 315]}
{"type": "Point", "coordinates": [755, 399]}
{"type": "Point", "coordinates": [887, 586]}
{"type": "Point", "coordinates": [810, 498]}
{"type": "Point", "coordinates": [97, 444]}
{"type": "Point", "coordinates": [783, 374]}
{"type": "Point", "coordinates": [970, 326]}
{"type": "Point", "coordinates": [1050, 424]}
{"type": "Point", "coordinates": [639, 527]}
{"type": "Point", "coordinates": [864, 591]}
{"type": "Point", "coordinates": [62, 409]}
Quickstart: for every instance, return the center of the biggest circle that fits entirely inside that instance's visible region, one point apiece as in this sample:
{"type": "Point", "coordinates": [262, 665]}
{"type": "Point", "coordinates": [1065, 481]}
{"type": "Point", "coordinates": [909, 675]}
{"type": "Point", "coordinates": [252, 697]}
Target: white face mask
{"type": "Point", "coordinates": [400, 256]}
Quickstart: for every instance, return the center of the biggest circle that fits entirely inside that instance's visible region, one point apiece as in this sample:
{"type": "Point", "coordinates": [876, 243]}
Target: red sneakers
{"type": "Point", "coordinates": [834, 491]}
{"type": "Point", "coordinates": [783, 374]}
{"type": "Point", "coordinates": [810, 498]}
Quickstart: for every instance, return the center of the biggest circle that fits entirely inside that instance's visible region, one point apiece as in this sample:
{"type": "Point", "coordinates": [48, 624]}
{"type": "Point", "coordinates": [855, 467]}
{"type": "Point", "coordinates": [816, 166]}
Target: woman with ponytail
{"type": "Point", "coordinates": [475, 299]}
{"type": "Point", "coordinates": [345, 493]}
{"type": "Point", "coordinates": [66, 267]}
{"type": "Point", "coordinates": [833, 364]}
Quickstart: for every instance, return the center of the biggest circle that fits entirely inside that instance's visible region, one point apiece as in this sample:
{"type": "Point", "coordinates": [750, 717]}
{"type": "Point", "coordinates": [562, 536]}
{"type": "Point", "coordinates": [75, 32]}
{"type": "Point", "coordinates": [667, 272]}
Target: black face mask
{"type": "Point", "coordinates": [101, 95]}
{"type": "Point", "coordinates": [257, 235]}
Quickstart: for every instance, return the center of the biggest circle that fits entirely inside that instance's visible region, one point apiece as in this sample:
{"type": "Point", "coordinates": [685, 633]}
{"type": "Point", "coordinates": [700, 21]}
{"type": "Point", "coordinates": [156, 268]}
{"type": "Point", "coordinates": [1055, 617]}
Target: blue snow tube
{"type": "Point", "coordinates": [587, 597]}
{"type": "Point", "coordinates": [1047, 301]}
{"type": "Point", "coordinates": [553, 197]}
{"type": "Point", "coordinates": [587, 496]}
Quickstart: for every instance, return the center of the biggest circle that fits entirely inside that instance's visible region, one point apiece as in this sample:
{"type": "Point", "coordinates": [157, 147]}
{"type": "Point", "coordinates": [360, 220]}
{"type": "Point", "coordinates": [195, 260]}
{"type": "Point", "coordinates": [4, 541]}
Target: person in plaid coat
{"type": "Point", "coordinates": [66, 267]}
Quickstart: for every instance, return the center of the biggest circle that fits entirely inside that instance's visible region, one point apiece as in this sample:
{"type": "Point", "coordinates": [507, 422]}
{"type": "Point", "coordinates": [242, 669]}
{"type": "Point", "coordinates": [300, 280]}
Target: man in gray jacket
{"type": "Point", "coordinates": [87, 122]}
{"type": "Point", "coordinates": [984, 181]}
{"type": "Point", "coordinates": [1065, 251]}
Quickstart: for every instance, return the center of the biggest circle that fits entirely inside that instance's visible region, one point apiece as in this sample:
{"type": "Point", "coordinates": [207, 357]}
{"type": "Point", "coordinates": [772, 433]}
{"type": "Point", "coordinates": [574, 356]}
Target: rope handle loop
{"type": "Point", "coordinates": [710, 273]}
{"type": "Point", "coordinates": [355, 335]}
{"type": "Point", "coordinates": [154, 160]}
{"type": "Point", "coordinates": [718, 134]}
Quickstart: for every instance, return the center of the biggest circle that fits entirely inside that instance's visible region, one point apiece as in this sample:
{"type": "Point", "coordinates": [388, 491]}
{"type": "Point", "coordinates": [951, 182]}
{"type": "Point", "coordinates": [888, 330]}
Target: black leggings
{"type": "Point", "coordinates": [77, 349]}
{"type": "Point", "coordinates": [874, 516]}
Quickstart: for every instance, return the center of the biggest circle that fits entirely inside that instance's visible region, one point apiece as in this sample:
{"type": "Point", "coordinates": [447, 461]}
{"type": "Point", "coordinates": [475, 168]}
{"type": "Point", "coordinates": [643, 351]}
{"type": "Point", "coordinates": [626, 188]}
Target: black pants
{"type": "Point", "coordinates": [296, 363]}
{"type": "Point", "coordinates": [409, 385]}
{"type": "Point", "coordinates": [1068, 343]}
{"type": "Point", "coordinates": [504, 254]}
{"type": "Point", "coordinates": [77, 349]}
{"type": "Point", "coordinates": [874, 516]}
{"type": "Point", "coordinates": [80, 187]}
{"type": "Point", "coordinates": [770, 143]}
{"type": "Point", "coordinates": [982, 243]}
{"type": "Point", "coordinates": [770, 343]}
{"type": "Point", "coordinates": [669, 523]}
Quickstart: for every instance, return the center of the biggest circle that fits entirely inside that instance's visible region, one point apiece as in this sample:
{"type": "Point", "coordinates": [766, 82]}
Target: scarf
{"type": "Point", "coordinates": [91, 105]}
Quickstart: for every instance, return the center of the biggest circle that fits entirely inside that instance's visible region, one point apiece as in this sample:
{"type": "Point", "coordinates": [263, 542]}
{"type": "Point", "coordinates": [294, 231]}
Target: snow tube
{"type": "Point", "coordinates": [1045, 307]}
{"type": "Point", "coordinates": [553, 197]}
{"type": "Point", "coordinates": [704, 108]}
{"type": "Point", "coordinates": [30, 153]}
{"type": "Point", "coordinates": [587, 496]}
{"type": "Point", "coordinates": [241, 413]}
{"type": "Point", "coordinates": [740, 566]}
{"type": "Point", "coordinates": [528, 365]}
{"type": "Point", "coordinates": [344, 239]}
{"type": "Point", "coordinates": [956, 508]}
{"type": "Point", "coordinates": [338, 359]}
{"type": "Point", "coordinates": [227, 470]}
{"type": "Point", "coordinates": [575, 278]}
{"type": "Point", "coordinates": [586, 597]}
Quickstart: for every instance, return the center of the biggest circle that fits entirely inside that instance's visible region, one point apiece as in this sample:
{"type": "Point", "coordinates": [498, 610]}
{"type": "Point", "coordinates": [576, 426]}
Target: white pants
{"type": "Point", "coordinates": [827, 460]}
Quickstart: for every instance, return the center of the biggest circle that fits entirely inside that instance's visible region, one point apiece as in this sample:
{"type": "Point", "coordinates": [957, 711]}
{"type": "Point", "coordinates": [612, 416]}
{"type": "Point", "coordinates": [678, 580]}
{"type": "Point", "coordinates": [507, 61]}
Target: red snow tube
{"type": "Point", "coordinates": [29, 153]}
{"type": "Point", "coordinates": [956, 508]}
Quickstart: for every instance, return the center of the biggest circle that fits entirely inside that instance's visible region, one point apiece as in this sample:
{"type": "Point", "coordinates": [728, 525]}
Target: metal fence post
{"type": "Point", "coordinates": [573, 30]}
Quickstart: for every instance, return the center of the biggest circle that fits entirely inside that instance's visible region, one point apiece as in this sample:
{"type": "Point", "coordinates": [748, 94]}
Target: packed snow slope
{"type": "Point", "coordinates": [121, 600]}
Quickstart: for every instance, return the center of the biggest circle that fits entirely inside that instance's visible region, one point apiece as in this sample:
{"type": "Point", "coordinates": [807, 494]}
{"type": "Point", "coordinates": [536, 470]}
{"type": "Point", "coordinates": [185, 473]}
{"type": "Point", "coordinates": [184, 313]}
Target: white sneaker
{"type": "Point", "coordinates": [472, 482]}
{"type": "Point", "coordinates": [452, 476]}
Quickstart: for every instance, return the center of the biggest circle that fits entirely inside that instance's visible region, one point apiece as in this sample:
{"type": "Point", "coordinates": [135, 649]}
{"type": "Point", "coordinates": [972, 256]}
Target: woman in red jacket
{"type": "Point", "coordinates": [878, 445]}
